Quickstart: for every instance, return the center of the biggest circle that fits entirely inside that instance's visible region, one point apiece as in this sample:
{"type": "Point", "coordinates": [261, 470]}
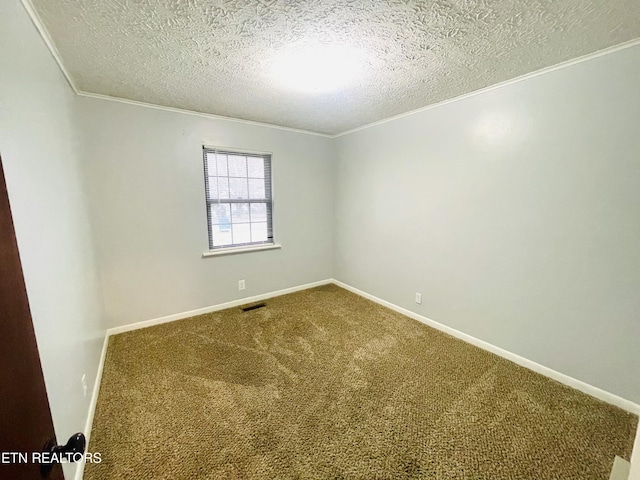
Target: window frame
{"type": "Point", "coordinates": [268, 200]}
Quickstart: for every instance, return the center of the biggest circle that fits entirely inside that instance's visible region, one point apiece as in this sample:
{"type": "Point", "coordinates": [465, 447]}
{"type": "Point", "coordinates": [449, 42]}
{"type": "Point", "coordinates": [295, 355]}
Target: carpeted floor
{"type": "Point", "coordinates": [323, 384]}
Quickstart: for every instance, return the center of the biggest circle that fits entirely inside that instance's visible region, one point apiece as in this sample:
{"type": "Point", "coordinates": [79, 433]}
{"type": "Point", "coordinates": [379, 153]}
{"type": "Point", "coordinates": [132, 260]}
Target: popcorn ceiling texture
{"type": "Point", "coordinates": [213, 56]}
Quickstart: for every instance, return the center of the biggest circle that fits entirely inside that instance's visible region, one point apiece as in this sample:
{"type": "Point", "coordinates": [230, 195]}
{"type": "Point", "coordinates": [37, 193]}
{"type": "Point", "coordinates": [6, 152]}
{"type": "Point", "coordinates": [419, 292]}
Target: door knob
{"type": "Point", "coordinates": [55, 453]}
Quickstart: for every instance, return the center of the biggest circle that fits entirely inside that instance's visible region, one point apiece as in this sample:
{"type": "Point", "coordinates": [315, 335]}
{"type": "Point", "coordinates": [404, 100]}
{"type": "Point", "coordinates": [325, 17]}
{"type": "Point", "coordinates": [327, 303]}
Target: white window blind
{"type": "Point", "coordinates": [239, 198]}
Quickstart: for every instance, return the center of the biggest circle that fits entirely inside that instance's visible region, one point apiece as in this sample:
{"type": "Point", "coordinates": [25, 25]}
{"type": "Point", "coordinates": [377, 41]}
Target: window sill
{"type": "Point", "coordinates": [232, 250]}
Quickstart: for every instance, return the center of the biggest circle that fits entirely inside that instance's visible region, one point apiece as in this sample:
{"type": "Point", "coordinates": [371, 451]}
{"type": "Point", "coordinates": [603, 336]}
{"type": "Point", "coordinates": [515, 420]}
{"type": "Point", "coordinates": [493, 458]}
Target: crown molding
{"type": "Point", "coordinates": [56, 55]}
{"type": "Point", "coordinates": [526, 76]}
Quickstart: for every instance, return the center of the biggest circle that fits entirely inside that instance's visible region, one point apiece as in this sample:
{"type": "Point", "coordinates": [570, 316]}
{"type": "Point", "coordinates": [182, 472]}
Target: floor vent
{"type": "Point", "coordinates": [253, 307]}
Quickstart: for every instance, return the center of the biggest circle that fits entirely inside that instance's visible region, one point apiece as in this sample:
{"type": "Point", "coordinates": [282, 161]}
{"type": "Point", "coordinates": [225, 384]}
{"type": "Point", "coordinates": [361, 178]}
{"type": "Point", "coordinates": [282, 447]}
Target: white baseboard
{"type": "Point", "coordinates": [92, 405]}
{"type": "Point", "coordinates": [634, 470]}
{"type": "Point", "coordinates": [629, 406]}
{"type": "Point", "coordinates": [170, 318]}
{"type": "Point", "coordinates": [531, 365]}
{"type": "Point", "coordinates": [213, 308]}
{"type": "Point", "coordinates": [620, 470]}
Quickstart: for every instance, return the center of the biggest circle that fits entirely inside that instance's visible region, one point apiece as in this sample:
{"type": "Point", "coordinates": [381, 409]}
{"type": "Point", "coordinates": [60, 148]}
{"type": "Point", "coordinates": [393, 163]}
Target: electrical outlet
{"type": "Point", "coordinates": [85, 388]}
{"type": "Point", "coordinates": [419, 298]}
{"type": "Point", "coordinates": [241, 285]}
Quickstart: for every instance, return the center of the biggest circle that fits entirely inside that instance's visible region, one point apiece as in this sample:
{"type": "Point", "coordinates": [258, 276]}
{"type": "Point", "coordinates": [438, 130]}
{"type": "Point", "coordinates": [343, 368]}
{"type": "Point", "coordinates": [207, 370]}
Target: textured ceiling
{"type": "Point", "coordinates": [217, 56]}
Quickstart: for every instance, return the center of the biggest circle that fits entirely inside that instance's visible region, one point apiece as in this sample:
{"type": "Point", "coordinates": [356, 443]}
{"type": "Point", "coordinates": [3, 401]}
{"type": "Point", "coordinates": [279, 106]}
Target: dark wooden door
{"type": "Point", "coordinates": [25, 419]}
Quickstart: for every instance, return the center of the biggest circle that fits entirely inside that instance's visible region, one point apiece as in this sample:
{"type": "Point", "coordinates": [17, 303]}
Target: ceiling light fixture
{"type": "Point", "coordinates": [317, 68]}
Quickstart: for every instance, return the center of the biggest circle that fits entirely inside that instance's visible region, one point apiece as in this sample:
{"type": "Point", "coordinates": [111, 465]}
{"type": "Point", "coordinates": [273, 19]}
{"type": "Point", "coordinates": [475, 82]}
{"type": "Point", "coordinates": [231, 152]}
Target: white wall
{"type": "Point", "coordinates": [515, 212]}
{"type": "Point", "coordinates": [41, 156]}
{"type": "Point", "coordinates": [145, 173]}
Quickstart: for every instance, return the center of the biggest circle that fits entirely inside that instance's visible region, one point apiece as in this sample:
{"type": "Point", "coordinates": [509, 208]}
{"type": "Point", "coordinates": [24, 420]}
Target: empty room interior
{"type": "Point", "coordinates": [329, 239]}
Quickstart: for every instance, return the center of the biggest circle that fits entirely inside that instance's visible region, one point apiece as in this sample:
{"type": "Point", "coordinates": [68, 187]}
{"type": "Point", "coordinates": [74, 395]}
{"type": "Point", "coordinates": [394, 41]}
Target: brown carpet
{"type": "Point", "coordinates": [324, 384]}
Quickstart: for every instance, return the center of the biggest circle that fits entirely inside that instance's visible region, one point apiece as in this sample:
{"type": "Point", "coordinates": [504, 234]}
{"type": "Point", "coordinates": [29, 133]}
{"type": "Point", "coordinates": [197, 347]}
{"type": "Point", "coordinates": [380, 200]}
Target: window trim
{"type": "Point", "coordinates": [247, 247]}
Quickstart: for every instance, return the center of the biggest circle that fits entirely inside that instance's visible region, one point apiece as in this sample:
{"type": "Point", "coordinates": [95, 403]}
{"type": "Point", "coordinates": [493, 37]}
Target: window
{"type": "Point", "coordinates": [239, 200]}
